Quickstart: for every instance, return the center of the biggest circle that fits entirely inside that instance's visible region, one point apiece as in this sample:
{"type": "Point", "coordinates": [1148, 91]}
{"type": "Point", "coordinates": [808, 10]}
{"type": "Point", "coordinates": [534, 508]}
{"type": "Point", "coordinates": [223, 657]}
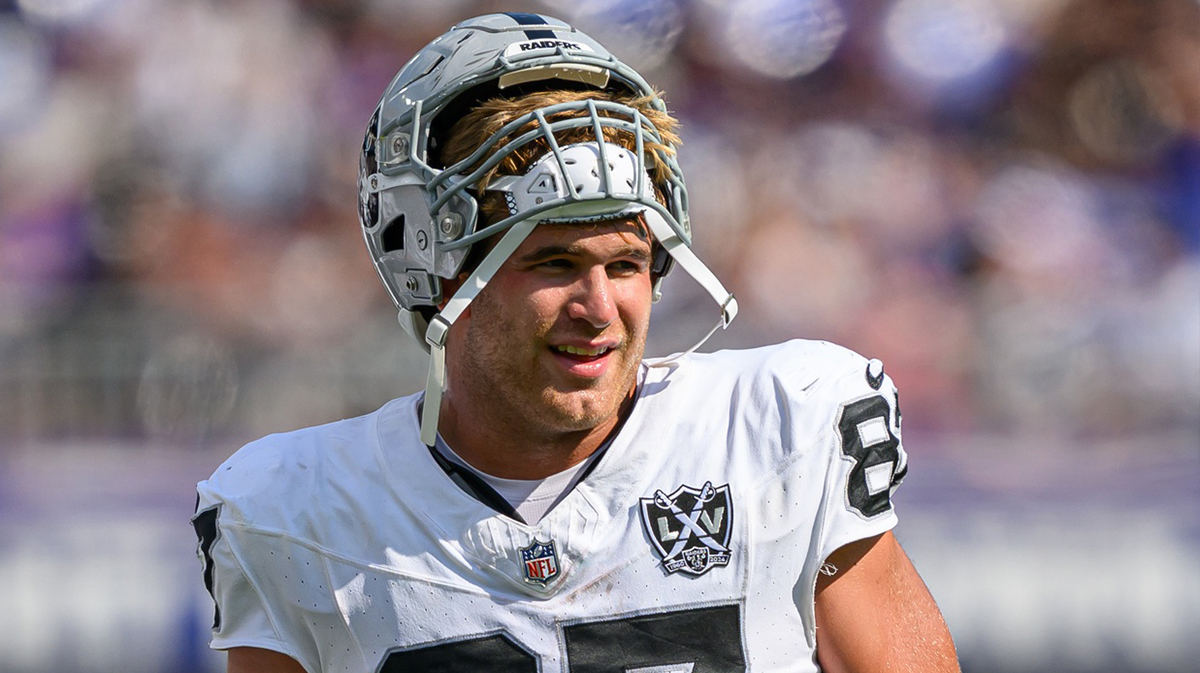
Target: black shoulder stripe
{"type": "Point", "coordinates": [526, 19]}
{"type": "Point", "coordinates": [205, 524]}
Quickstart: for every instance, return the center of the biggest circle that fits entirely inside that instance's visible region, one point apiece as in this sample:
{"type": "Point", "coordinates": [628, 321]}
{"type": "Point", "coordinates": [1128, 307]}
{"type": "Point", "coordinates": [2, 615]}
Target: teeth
{"type": "Point", "coordinates": [590, 352]}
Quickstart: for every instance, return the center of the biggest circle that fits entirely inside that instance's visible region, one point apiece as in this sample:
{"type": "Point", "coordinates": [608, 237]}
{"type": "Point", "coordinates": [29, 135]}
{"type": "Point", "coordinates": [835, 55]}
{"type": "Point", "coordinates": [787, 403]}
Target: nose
{"type": "Point", "coordinates": [593, 299]}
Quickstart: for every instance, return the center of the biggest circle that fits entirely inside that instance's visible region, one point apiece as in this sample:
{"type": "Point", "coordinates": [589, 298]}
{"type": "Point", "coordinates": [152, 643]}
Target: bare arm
{"type": "Point", "coordinates": [254, 660]}
{"type": "Point", "coordinates": [875, 615]}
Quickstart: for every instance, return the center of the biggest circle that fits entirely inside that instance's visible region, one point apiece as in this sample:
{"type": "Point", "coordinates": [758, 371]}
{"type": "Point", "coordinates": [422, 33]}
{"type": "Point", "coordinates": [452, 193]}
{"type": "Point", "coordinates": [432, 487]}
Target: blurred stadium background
{"type": "Point", "coordinates": [999, 198]}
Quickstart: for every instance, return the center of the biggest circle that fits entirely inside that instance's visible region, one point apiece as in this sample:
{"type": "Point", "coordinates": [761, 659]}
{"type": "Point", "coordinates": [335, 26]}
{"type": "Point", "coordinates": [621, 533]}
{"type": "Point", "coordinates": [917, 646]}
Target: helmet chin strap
{"type": "Point", "coordinates": [439, 326]}
{"type": "Point", "coordinates": [687, 259]}
{"type": "Point", "coordinates": [667, 237]}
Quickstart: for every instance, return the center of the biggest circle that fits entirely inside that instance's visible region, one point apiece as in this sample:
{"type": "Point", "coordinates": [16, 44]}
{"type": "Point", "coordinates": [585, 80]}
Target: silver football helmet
{"type": "Point", "coordinates": [421, 218]}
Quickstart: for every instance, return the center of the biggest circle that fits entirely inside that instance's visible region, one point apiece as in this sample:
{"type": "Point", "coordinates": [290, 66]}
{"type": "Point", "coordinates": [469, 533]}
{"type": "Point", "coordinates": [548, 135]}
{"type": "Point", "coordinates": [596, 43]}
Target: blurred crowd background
{"type": "Point", "coordinates": [998, 198]}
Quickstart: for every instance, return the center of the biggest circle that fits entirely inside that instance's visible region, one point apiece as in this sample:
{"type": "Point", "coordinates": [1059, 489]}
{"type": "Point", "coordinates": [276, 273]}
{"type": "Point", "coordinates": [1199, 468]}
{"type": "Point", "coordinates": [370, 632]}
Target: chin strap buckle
{"type": "Point", "coordinates": [435, 335]}
{"type": "Point", "coordinates": [439, 327]}
{"type": "Point", "coordinates": [729, 310]}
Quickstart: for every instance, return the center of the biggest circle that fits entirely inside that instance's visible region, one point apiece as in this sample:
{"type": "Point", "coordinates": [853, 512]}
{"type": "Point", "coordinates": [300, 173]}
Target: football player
{"type": "Point", "coordinates": [553, 501]}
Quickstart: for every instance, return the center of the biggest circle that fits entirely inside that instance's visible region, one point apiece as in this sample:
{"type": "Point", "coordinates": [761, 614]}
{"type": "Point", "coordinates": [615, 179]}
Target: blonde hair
{"type": "Point", "coordinates": [485, 119]}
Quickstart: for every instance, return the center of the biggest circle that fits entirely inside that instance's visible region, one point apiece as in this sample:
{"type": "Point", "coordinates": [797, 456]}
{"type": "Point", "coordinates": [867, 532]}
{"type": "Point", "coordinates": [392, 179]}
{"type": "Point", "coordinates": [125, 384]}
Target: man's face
{"type": "Point", "coordinates": [554, 341]}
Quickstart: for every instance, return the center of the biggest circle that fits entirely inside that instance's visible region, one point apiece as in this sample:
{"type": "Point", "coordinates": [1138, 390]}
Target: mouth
{"type": "Point", "coordinates": [581, 353]}
{"type": "Point", "coordinates": [589, 362]}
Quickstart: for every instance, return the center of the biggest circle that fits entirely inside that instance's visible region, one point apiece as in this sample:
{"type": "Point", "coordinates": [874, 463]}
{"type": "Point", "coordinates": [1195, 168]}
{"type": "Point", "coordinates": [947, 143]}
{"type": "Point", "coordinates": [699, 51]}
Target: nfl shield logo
{"type": "Point", "coordinates": [540, 561]}
{"type": "Point", "coordinates": [690, 527]}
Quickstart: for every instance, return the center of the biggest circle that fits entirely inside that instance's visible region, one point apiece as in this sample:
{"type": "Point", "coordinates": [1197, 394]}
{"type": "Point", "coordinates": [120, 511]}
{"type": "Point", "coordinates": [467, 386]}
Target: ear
{"type": "Point", "coordinates": [449, 287]}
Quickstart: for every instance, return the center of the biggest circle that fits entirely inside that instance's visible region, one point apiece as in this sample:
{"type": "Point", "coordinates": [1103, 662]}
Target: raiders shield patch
{"type": "Point", "coordinates": [690, 527]}
{"type": "Point", "coordinates": [540, 561]}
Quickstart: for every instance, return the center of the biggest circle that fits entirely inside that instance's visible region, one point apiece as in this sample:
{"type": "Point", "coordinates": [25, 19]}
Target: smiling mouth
{"type": "Point", "coordinates": [582, 353]}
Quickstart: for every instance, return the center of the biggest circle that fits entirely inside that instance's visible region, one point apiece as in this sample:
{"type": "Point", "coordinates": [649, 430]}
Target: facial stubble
{"type": "Point", "coordinates": [505, 377]}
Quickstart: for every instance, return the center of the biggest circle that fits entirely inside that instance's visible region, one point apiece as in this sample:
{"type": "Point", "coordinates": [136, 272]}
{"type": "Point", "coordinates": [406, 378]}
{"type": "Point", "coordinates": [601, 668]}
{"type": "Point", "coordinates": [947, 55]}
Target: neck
{"type": "Point", "coordinates": [507, 445]}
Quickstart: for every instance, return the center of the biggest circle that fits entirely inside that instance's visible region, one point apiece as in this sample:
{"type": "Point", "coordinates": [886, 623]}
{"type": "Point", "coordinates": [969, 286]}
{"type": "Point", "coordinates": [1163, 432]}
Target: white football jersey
{"type": "Point", "coordinates": [693, 544]}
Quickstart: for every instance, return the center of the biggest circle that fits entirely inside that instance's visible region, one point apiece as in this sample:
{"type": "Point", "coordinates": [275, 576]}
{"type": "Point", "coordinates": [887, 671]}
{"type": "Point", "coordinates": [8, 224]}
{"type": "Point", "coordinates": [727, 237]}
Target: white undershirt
{"type": "Point", "coordinates": [531, 498]}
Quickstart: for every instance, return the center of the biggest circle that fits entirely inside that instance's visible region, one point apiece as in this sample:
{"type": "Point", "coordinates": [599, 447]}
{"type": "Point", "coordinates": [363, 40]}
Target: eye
{"type": "Point", "coordinates": [558, 264]}
{"type": "Point", "coordinates": [627, 267]}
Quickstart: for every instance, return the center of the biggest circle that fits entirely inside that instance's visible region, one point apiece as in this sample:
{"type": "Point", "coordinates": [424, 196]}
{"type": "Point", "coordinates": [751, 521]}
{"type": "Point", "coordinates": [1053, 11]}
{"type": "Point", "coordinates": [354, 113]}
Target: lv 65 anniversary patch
{"type": "Point", "coordinates": [690, 527]}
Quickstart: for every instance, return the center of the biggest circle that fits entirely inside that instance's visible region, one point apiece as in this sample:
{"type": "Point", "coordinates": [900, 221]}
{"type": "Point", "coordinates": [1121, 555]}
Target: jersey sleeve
{"type": "Point", "coordinates": [866, 458]}
{"type": "Point", "coordinates": [248, 609]}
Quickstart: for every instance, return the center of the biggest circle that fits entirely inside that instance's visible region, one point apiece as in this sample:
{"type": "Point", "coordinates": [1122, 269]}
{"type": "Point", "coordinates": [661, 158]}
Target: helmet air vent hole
{"type": "Point", "coordinates": [433, 65]}
{"type": "Point", "coordinates": [569, 161]}
{"type": "Point", "coordinates": [392, 235]}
